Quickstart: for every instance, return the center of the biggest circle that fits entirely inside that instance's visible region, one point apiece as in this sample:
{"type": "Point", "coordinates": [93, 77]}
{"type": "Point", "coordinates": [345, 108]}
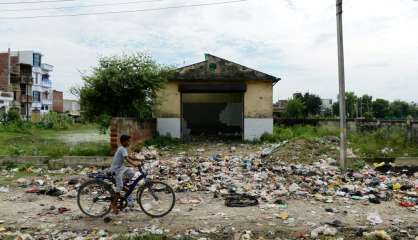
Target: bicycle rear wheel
{"type": "Point", "coordinates": [156, 199]}
{"type": "Point", "coordinates": [94, 198]}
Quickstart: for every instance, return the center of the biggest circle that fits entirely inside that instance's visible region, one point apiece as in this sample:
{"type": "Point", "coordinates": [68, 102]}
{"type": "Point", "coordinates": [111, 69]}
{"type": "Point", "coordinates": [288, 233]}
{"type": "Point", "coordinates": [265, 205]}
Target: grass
{"type": "Point", "coordinates": [384, 142]}
{"type": "Point", "coordinates": [34, 141]}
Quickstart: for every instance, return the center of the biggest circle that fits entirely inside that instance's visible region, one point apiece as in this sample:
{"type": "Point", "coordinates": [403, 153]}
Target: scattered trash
{"type": "Point", "coordinates": [62, 210]}
{"type": "Point", "coordinates": [240, 200]}
{"type": "Point", "coordinates": [377, 235]}
{"type": "Point", "coordinates": [4, 189]}
{"type": "Point", "coordinates": [374, 218]}
{"type": "Point", "coordinates": [324, 230]}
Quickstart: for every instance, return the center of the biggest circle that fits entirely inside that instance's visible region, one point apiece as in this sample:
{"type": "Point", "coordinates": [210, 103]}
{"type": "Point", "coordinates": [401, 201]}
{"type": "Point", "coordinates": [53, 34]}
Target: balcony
{"type": "Point", "coordinates": [8, 96]}
{"type": "Point", "coordinates": [25, 99]}
{"type": "Point", "coordinates": [47, 67]}
{"type": "Point", "coordinates": [46, 83]}
{"type": "Point", "coordinates": [46, 101]}
{"type": "Point", "coordinates": [21, 79]}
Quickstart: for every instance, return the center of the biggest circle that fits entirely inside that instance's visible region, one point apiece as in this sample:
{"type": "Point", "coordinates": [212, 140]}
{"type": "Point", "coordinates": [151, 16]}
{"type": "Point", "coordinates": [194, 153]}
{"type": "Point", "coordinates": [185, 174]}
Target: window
{"type": "Point", "coordinates": [36, 96]}
{"type": "Point", "coordinates": [37, 60]}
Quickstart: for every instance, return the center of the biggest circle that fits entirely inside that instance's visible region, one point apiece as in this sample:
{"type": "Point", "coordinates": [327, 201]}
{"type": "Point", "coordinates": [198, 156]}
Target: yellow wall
{"type": "Point", "coordinates": [168, 102]}
{"type": "Point", "coordinates": [258, 100]}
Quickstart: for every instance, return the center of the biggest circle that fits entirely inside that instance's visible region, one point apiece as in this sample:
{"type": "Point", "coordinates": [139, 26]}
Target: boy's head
{"type": "Point", "coordinates": [125, 140]}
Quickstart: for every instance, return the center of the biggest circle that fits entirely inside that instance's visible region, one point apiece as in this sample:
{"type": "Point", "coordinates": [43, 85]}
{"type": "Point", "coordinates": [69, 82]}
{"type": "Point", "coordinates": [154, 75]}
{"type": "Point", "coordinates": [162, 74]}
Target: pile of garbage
{"type": "Point", "coordinates": [254, 174]}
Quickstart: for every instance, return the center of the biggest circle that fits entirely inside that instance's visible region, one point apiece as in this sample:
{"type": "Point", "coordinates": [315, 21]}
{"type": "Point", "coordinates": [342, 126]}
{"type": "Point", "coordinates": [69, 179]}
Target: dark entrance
{"type": "Point", "coordinates": [212, 114]}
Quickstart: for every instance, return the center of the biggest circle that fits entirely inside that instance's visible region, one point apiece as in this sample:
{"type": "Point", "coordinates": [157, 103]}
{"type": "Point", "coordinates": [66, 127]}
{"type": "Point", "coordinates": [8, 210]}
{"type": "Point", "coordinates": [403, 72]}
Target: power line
{"type": "Point", "coordinates": [35, 2]}
{"type": "Point", "coordinates": [127, 11]}
{"type": "Point", "coordinates": [82, 6]}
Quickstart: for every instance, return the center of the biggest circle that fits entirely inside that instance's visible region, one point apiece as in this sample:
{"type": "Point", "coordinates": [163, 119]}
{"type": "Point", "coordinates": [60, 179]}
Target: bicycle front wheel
{"type": "Point", "coordinates": [156, 199]}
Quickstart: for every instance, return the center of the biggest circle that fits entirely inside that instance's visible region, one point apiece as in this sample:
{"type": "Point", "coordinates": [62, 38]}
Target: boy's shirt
{"type": "Point", "coordinates": [118, 158]}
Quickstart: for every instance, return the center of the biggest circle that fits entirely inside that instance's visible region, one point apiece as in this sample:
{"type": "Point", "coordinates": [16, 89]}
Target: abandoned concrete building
{"type": "Point", "coordinates": [216, 97]}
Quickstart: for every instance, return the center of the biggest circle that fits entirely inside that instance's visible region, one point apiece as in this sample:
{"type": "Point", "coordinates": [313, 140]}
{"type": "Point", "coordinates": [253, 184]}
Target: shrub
{"type": "Point", "coordinates": [53, 120]}
{"type": "Point", "coordinates": [11, 116]}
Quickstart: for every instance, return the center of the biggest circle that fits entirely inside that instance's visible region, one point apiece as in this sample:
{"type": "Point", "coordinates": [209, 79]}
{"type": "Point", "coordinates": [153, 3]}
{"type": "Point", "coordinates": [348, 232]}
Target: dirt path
{"type": "Point", "coordinates": [31, 213]}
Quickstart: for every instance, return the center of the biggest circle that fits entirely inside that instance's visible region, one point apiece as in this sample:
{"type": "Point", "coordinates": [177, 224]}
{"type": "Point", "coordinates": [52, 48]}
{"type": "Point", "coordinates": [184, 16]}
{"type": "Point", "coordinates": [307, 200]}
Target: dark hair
{"type": "Point", "coordinates": [124, 138]}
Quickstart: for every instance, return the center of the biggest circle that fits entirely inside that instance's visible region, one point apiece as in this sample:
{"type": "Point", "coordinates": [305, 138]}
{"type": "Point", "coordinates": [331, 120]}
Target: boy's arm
{"type": "Point", "coordinates": [132, 161]}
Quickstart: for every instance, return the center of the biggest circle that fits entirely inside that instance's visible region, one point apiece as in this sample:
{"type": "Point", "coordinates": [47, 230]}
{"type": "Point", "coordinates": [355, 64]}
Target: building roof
{"type": "Point", "coordinates": [216, 68]}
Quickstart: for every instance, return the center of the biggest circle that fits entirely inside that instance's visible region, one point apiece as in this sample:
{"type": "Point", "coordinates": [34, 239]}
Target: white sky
{"type": "Point", "coordinates": [291, 39]}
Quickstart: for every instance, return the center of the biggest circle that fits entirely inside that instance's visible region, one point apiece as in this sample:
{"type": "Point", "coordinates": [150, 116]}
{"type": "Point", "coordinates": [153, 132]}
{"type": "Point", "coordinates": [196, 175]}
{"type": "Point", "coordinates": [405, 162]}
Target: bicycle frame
{"type": "Point", "coordinates": [135, 182]}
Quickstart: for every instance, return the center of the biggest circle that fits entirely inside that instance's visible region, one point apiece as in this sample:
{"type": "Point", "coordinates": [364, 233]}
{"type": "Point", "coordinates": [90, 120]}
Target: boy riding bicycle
{"type": "Point", "coordinates": [119, 170]}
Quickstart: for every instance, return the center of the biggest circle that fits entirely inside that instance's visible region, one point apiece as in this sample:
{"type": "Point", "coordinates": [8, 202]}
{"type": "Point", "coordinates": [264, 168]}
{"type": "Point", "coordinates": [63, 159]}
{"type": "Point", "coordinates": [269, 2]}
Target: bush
{"type": "Point", "coordinates": [53, 120]}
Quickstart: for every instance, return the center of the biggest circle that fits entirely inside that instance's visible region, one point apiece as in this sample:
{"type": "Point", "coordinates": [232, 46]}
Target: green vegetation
{"type": "Point", "coordinates": [16, 140]}
{"type": "Point", "coordinates": [384, 142]}
{"type": "Point", "coordinates": [366, 107]}
{"type": "Point", "coordinates": [298, 132]}
{"type": "Point", "coordinates": [121, 86]}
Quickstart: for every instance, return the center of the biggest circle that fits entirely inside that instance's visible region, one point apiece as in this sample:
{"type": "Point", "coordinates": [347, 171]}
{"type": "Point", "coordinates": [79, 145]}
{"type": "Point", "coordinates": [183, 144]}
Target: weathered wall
{"type": "Point", "coordinates": [57, 101]}
{"type": "Point", "coordinates": [168, 102]}
{"type": "Point", "coordinates": [139, 131]}
{"type": "Point", "coordinates": [258, 100]}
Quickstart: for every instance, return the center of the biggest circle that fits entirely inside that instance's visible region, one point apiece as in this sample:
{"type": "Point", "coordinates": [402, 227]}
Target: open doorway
{"type": "Point", "coordinates": [212, 114]}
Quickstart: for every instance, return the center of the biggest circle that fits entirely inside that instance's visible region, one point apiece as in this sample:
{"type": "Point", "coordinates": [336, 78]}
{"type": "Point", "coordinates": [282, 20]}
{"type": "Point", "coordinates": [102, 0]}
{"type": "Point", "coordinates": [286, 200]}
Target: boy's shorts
{"type": "Point", "coordinates": [120, 174]}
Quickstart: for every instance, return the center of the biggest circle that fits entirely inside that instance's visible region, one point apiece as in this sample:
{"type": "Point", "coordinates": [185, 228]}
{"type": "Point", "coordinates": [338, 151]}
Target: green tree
{"type": "Point", "coordinates": [295, 108]}
{"type": "Point", "coordinates": [122, 86]}
{"type": "Point", "coordinates": [336, 109]}
{"type": "Point", "coordinates": [312, 104]}
{"type": "Point", "coordinates": [365, 105]}
{"type": "Point", "coordinates": [380, 108]}
{"type": "Point", "coordinates": [351, 103]}
{"type": "Point", "coordinates": [399, 109]}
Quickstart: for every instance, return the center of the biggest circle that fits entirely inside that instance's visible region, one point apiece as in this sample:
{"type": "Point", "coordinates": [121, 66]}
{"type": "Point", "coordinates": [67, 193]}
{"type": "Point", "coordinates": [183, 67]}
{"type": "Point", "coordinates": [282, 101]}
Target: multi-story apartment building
{"type": "Point", "coordinates": [23, 74]}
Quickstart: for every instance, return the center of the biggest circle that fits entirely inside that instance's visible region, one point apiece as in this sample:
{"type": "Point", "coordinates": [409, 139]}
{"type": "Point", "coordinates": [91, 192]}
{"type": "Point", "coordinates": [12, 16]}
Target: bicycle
{"type": "Point", "coordinates": [151, 196]}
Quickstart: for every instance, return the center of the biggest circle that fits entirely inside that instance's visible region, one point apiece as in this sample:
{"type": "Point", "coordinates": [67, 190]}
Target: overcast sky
{"type": "Point", "coordinates": [291, 39]}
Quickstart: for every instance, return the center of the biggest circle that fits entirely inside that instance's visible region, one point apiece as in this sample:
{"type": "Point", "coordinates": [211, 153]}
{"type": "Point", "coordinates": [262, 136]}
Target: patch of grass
{"type": "Point", "coordinates": [91, 149]}
{"type": "Point", "coordinates": [49, 142]}
{"type": "Point", "coordinates": [298, 132]}
{"type": "Point", "coordinates": [383, 142]}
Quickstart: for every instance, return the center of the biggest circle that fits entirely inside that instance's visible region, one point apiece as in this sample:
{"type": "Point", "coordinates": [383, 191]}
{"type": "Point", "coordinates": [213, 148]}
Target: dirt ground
{"type": "Point", "coordinates": [31, 213]}
{"type": "Point", "coordinates": [211, 219]}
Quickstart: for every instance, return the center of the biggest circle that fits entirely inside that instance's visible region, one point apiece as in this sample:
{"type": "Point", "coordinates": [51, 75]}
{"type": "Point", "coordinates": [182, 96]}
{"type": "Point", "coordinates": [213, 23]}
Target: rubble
{"type": "Point", "coordinates": [254, 178]}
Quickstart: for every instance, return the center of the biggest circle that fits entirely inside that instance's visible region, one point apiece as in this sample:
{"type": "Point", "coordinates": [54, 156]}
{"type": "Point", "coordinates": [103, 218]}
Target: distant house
{"type": "Point", "coordinates": [25, 77]}
{"type": "Point", "coordinates": [216, 97]}
{"type": "Point", "coordinates": [326, 105]}
{"type": "Point", "coordinates": [280, 107]}
{"type": "Point", "coordinates": [72, 107]}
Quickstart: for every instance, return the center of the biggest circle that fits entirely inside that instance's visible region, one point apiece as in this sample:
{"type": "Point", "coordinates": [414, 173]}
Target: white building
{"type": "Point", "coordinates": [326, 104]}
{"type": "Point", "coordinates": [42, 84]}
{"type": "Point", "coordinates": [72, 107]}
{"type": "Point", "coordinates": [6, 99]}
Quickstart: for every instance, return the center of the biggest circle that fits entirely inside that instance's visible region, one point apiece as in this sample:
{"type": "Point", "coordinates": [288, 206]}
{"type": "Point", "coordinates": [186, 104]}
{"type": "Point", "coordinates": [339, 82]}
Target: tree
{"type": "Point", "coordinates": [122, 86]}
{"type": "Point", "coordinates": [365, 105]}
{"type": "Point", "coordinates": [295, 108]}
{"type": "Point", "coordinates": [312, 104]}
{"type": "Point", "coordinates": [399, 109]}
{"type": "Point", "coordinates": [380, 108]}
{"type": "Point", "coordinates": [336, 109]}
{"type": "Point", "coordinates": [351, 103]}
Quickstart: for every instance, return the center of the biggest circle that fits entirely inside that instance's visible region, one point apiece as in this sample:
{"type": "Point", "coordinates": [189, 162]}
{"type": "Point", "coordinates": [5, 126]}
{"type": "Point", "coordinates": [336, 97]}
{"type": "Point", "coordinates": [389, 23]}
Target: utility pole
{"type": "Point", "coordinates": [341, 77]}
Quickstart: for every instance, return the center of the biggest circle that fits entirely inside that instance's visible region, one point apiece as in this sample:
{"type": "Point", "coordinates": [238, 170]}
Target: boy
{"type": "Point", "coordinates": [119, 170]}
